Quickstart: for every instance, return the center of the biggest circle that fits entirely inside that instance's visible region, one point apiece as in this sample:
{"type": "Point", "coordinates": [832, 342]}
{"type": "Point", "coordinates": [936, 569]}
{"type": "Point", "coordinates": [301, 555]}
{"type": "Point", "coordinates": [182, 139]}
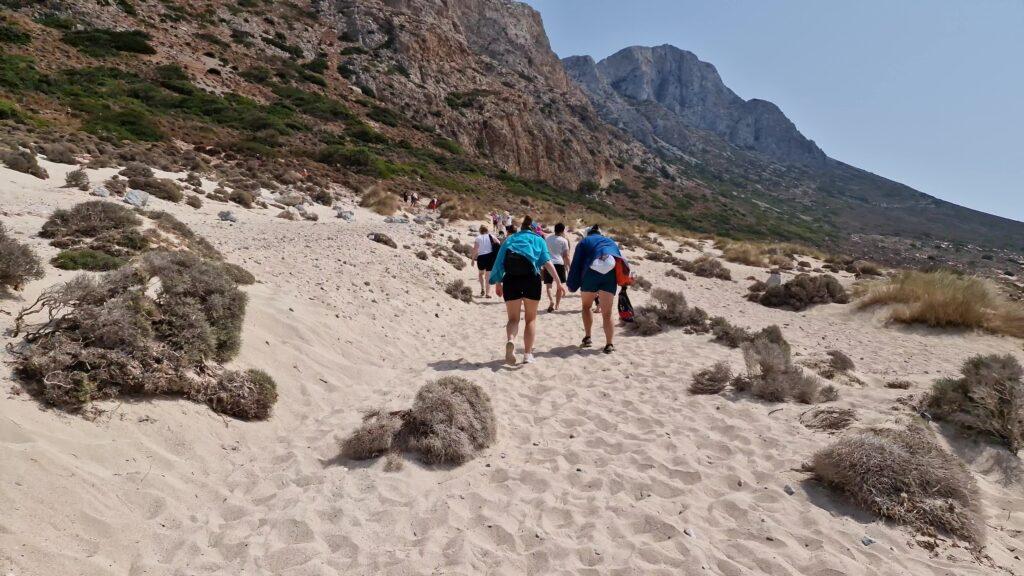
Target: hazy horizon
{"type": "Point", "coordinates": [923, 93]}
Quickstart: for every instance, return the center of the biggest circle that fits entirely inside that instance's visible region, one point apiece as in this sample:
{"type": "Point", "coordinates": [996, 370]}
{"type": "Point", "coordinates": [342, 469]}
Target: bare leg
{"type": "Point", "coordinates": [484, 287]}
{"type": "Point", "coordinates": [530, 330]}
{"type": "Point", "coordinates": [606, 301]}
{"type": "Point", "coordinates": [588, 312]}
{"type": "Point", "coordinates": [513, 308]}
{"type": "Point", "coordinates": [551, 300]}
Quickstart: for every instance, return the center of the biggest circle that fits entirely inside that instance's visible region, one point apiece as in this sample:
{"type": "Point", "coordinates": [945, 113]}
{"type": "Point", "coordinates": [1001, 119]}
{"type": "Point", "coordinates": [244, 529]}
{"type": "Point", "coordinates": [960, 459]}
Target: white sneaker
{"type": "Point", "coordinates": [529, 359]}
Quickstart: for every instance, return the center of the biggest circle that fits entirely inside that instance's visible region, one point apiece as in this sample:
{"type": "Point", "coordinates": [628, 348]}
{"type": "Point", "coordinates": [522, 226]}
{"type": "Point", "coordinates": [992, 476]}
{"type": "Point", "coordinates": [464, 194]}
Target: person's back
{"type": "Point", "coordinates": [593, 272]}
{"type": "Point", "coordinates": [558, 246]}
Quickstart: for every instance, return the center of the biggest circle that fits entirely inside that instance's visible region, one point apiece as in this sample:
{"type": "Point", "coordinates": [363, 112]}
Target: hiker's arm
{"type": "Point", "coordinates": [559, 287]}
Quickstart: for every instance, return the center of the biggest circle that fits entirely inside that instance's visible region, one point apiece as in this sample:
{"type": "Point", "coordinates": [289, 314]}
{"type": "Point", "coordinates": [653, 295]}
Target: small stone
{"type": "Point", "coordinates": [788, 489]}
{"type": "Point", "coordinates": [136, 198]}
{"type": "Point", "coordinates": [689, 532]}
{"type": "Point", "coordinates": [227, 216]}
{"type": "Point", "coordinates": [867, 541]}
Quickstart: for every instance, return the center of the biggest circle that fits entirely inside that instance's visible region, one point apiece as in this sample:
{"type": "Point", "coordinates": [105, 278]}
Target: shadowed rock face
{"type": "Point", "coordinates": [664, 93]}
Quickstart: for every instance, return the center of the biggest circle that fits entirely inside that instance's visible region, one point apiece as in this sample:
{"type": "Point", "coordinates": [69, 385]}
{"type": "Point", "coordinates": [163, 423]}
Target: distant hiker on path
{"type": "Point", "coordinates": [596, 268]}
{"type": "Point", "coordinates": [485, 250]}
{"type": "Point", "coordinates": [558, 245]}
{"type": "Point", "coordinates": [516, 273]}
{"type": "Point", "coordinates": [506, 222]}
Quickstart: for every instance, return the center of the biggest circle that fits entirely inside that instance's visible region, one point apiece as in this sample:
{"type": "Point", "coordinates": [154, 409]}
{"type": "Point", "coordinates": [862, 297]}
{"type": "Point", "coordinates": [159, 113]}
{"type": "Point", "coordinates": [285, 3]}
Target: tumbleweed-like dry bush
{"type": "Point", "coordinates": [988, 398]}
{"type": "Point", "coordinates": [839, 361]}
{"type": "Point", "coordinates": [706, 267]}
{"type": "Point", "coordinates": [712, 380]}
{"type": "Point", "coordinates": [18, 262]}
{"type": "Point", "coordinates": [905, 476]}
{"type": "Point", "coordinates": [771, 375]}
{"type": "Point", "coordinates": [457, 289]}
{"type": "Point", "coordinates": [450, 421]}
{"type": "Point", "coordinates": [828, 418]}
{"type": "Point", "coordinates": [946, 299]}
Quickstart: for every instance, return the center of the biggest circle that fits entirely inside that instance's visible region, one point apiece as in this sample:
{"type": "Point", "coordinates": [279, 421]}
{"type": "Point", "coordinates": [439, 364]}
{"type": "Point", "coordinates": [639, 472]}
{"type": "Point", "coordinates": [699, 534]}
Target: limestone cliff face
{"type": "Point", "coordinates": [669, 95]}
{"type": "Point", "coordinates": [482, 72]}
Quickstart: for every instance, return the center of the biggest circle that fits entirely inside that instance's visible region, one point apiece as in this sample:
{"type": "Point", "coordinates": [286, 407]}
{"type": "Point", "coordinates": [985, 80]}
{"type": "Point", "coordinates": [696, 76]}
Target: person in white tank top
{"type": "Point", "coordinates": [485, 248]}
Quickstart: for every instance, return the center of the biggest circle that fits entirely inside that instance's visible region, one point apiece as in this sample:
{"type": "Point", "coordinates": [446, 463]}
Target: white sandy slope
{"type": "Point", "coordinates": [603, 465]}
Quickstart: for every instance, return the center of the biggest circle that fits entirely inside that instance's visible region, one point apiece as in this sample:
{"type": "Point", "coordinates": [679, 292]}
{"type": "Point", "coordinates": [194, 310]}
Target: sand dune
{"type": "Point", "coordinates": [603, 465]}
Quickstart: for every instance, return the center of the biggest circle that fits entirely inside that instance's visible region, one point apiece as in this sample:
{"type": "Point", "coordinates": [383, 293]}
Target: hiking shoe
{"type": "Point", "coordinates": [586, 342]}
{"type": "Point", "coordinates": [510, 353]}
{"type": "Point", "coordinates": [529, 359]}
{"type": "Point", "coordinates": [551, 308]}
{"type": "Point", "coordinates": [608, 349]}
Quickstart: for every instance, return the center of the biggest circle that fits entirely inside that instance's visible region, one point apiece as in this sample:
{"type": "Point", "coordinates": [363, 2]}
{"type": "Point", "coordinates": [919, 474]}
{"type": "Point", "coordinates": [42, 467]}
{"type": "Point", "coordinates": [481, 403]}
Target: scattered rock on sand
{"type": "Point", "coordinates": [227, 216]}
{"type": "Point", "coordinates": [100, 191]}
{"type": "Point", "coordinates": [287, 214]}
{"type": "Point", "coordinates": [346, 215]}
{"type": "Point", "coordinates": [396, 220]}
{"type": "Point", "coordinates": [382, 239]}
{"type": "Point", "coordinates": [136, 198]}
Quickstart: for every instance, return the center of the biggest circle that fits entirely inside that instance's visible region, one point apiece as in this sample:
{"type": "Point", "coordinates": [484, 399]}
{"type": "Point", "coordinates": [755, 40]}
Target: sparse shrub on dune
{"type": "Point", "coordinates": [384, 239]}
{"type": "Point", "coordinates": [451, 420]}
{"type": "Point", "coordinates": [771, 375]}
{"type": "Point", "coordinates": [904, 476]}
{"type": "Point", "coordinates": [248, 395]}
{"type": "Point", "coordinates": [673, 273]}
{"type": "Point", "coordinates": [828, 418]}
{"type": "Point", "coordinates": [735, 336]}
{"type": "Point", "coordinates": [457, 289]}
{"type": "Point", "coordinates": [801, 292]}
{"type": "Point", "coordinates": [450, 256]}
{"type": "Point", "coordinates": [668, 309]}
{"type": "Point", "coordinates": [136, 170]}
{"type": "Point", "coordinates": [168, 223]}
{"type": "Point", "coordinates": [987, 398]}
{"type": "Point", "coordinates": [763, 254]}
{"type": "Point", "coordinates": [711, 380]}
{"type": "Point", "coordinates": [77, 179]}
{"type": "Point", "coordinates": [88, 220]}
{"type": "Point", "coordinates": [18, 262]}
{"type": "Point", "coordinates": [899, 384]}
{"type": "Point", "coordinates": [641, 283]}
{"type": "Point", "coordinates": [163, 188]}
{"type": "Point", "coordinates": [194, 201]}
{"type": "Point", "coordinates": [380, 201]}
{"type": "Point", "coordinates": [25, 162]}
{"type": "Point", "coordinates": [240, 275]}
{"type": "Point", "coordinates": [864, 268]}
{"type": "Point", "coordinates": [706, 267]}
{"type": "Point", "coordinates": [463, 249]}
{"type": "Point", "coordinates": [242, 198]}
{"type": "Point", "coordinates": [745, 253]}
{"type": "Point", "coordinates": [59, 152]}
{"type": "Point", "coordinates": [945, 299]}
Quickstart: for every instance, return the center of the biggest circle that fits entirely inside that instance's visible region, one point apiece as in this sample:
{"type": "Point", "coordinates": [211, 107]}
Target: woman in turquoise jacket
{"type": "Point", "coordinates": [516, 273]}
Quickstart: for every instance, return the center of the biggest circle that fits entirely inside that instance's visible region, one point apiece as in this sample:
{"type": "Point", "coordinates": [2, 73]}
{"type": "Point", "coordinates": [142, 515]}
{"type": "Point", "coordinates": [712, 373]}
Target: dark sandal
{"type": "Point", "coordinates": [586, 342]}
{"type": "Point", "coordinates": [608, 349]}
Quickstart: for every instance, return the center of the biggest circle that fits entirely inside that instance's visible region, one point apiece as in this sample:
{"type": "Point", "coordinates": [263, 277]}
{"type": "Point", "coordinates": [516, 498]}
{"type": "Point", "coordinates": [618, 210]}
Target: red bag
{"type": "Point", "coordinates": [622, 273]}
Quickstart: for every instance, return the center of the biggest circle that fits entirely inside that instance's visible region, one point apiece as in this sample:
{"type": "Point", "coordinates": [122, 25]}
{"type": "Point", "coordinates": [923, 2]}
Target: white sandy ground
{"type": "Point", "coordinates": [603, 464]}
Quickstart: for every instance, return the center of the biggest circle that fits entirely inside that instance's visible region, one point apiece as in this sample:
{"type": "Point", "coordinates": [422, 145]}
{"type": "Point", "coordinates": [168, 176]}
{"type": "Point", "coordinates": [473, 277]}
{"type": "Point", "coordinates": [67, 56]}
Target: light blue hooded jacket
{"type": "Point", "coordinates": [525, 243]}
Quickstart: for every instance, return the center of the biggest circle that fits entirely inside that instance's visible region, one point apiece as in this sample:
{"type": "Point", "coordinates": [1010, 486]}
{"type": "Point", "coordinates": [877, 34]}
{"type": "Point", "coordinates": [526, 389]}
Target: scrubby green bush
{"type": "Point", "coordinates": [24, 161]}
{"type": "Point", "coordinates": [804, 291]}
{"type": "Point", "coordinates": [86, 259]}
{"type": "Point", "coordinates": [668, 309]}
{"type": "Point", "coordinates": [242, 198]}
{"type": "Point", "coordinates": [706, 267]}
{"type": "Point", "coordinates": [77, 179]}
{"type": "Point", "coordinates": [89, 220]}
{"type": "Point", "coordinates": [101, 42]}
{"type": "Point", "coordinates": [163, 188]}
{"type": "Point", "coordinates": [249, 395]}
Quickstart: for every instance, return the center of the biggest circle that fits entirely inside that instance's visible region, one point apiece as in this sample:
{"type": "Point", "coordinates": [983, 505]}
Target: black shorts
{"type": "Point", "coordinates": [516, 287]}
{"type": "Point", "coordinates": [559, 268]}
{"type": "Point", "coordinates": [486, 262]}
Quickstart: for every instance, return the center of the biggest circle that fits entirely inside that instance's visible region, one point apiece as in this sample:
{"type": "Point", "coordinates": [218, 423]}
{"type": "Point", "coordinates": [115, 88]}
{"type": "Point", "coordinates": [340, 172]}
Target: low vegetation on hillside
{"type": "Point", "coordinates": [905, 476]}
{"type": "Point", "coordinates": [945, 299]}
{"type": "Point", "coordinates": [450, 421]}
{"type": "Point", "coordinates": [668, 309]}
{"type": "Point", "coordinates": [800, 293]}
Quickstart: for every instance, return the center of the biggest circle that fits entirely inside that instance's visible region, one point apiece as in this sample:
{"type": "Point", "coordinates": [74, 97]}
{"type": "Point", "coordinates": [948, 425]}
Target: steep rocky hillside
{"type": "Point", "coordinates": [461, 99]}
{"type": "Point", "coordinates": [679, 107]}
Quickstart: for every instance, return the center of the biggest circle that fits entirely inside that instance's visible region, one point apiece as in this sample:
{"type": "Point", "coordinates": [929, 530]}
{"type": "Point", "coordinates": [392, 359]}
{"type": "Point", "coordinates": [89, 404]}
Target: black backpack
{"type": "Point", "coordinates": [518, 265]}
{"type": "Point", "coordinates": [626, 313]}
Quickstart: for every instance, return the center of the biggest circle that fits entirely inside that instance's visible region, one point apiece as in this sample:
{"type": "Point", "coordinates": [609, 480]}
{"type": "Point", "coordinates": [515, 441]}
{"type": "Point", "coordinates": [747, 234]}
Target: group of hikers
{"type": "Point", "coordinates": [525, 259]}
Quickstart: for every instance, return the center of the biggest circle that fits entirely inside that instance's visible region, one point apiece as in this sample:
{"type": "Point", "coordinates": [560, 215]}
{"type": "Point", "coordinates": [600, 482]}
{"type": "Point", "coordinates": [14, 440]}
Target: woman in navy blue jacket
{"type": "Point", "coordinates": [593, 272]}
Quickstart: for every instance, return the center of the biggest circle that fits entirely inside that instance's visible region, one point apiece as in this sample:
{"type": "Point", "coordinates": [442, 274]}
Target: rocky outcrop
{"type": "Point", "coordinates": [482, 72]}
{"type": "Point", "coordinates": [664, 95]}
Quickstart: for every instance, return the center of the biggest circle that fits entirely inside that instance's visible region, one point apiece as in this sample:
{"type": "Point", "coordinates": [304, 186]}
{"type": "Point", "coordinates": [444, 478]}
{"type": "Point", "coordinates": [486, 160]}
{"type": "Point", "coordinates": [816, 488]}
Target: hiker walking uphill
{"type": "Point", "coordinates": [596, 269]}
{"type": "Point", "coordinates": [516, 273]}
{"type": "Point", "coordinates": [558, 245]}
{"type": "Point", "coordinates": [485, 250]}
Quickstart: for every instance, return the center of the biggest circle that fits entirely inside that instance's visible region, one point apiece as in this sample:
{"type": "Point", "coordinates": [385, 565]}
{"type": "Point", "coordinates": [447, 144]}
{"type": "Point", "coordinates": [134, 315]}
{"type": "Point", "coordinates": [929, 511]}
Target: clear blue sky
{"type": "Point", "coordinates": [925, 92]}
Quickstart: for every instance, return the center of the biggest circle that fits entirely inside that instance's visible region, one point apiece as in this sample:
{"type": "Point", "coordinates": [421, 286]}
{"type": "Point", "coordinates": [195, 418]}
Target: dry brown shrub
{"type": "Point", "coordinates": [59, 152]}
{"type": "Point", "coordinates": [163, 188]}
{"type": "Point", "coordinates": [241, 197]}
{"type": "Point", "coordinates": [668, 309]}
{"type": "Point", "coordinates": [711, 380]}
{"type": "Point", "coordinates": [194, 201]}
{"type": "Point", "coordinates": [864, 268]}
{"type": "Point", "coordinates": [88, 220]}
{"type": "Point", "coordinates": [905, 476]}
{"type": "Point", "coordinates": [642, 283]}
{"type": "Point", "coordinates": [803, 291]}
{"type": "Point", "coordinates": [18, 262]}
{"type": "Point", "coordinates": [706, 267]}
{"type": "Point", "coordinates": [25, 162]}
{"type": "Point", "coordinates": [136, 170]}
{"type": "Point", "coordinates": [380, 201]}
{"type": "Point", "coordinates": [450, 256]}
{"type": "Point", "coordinates": [828, 418]}
{"type": "Point", "coordinates": [745, 253]}
{"type": "Point", "coordinates": [168, 223]}
{"type": "Point", "coordinates": [771, 375]}
{"type": "Point", "coordinates": [116, 186]}
{"type": "Point", "coordinates": [450, 421]}
{"type": "Point", "coordinates": [673, 273]}
{"type": "Point", "coordinates": [839, 361]}
{"type": "Point", "coordinates": [457, 289]}
{"type": "Point", "coordinates": [946, 299]}
{"type": "Point", "coordinates": [988, 398]}
{"type": "Point", "coordinates": [899, 384]}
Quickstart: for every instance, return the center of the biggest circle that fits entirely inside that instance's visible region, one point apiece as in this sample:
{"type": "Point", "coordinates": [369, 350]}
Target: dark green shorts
{"type": "Point", "coordinates": [596, 282]}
